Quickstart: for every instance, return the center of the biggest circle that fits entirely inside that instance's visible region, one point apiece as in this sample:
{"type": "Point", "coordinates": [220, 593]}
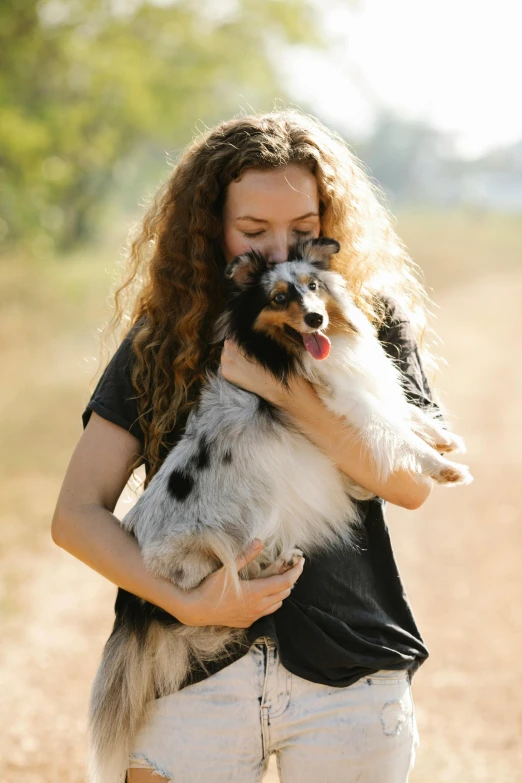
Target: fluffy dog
{"type": "Point", "coordinates": [242, 470]}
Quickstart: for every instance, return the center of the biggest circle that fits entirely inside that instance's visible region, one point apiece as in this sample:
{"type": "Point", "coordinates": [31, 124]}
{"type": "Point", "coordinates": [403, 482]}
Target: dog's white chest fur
{"type": "Point", "coordinates": [356, 377]}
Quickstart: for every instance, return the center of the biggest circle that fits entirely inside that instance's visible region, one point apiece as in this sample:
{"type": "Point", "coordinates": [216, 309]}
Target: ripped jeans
{"type": "Point", "coordinates": [225, 727]}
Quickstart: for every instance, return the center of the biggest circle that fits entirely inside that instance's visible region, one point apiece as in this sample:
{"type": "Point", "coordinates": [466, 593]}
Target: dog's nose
{"type": "Point", "coordinates": [314, 320]}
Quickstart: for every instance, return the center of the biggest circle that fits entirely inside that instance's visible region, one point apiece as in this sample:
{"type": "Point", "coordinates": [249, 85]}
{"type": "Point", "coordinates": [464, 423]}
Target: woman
{"type": "Point", "coordinates": [326, 682]}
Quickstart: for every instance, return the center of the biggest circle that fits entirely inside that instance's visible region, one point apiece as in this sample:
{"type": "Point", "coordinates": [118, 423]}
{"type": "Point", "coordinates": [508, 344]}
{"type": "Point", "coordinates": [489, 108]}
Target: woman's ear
{"type": "Point", "coordinates": [246, 268]}
{"type": "Point", "coordinates": [319, 251]}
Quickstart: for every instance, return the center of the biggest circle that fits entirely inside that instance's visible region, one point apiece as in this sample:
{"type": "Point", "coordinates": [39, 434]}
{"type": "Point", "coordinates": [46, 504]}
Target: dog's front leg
{"type": "Point", "coordinates": [433, 432]}
{"type": "Point", "coordinates": [394, 445]}
{"type": "Point", "coordinates": [432, 463]}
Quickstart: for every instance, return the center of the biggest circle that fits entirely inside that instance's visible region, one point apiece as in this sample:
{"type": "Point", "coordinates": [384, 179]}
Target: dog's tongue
{"type": "Point", "coordinates": [317, 344]}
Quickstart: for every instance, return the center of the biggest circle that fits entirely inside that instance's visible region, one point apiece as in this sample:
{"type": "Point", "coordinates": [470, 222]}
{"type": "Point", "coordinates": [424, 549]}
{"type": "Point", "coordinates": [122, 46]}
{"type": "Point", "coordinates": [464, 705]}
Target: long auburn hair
{"type": "Point", "coordinates": [173, 288]}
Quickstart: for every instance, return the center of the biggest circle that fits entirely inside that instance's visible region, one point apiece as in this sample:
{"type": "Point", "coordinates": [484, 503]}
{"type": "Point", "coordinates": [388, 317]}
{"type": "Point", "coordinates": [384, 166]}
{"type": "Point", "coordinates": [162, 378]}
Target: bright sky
{"type": "Point", "coordinates": [454, 63]}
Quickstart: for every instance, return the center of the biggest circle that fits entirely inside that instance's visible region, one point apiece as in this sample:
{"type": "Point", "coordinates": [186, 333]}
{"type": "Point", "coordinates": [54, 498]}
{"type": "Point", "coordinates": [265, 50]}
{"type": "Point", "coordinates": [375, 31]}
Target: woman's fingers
{"type": "Point", "coordinates": [257, 597]}
{"type": "Point", "coordinates": [275, 601]}
{"type": "Point", "coordinates": [271, 609]}
{"type": "Point", "coordinates": [270, 600]}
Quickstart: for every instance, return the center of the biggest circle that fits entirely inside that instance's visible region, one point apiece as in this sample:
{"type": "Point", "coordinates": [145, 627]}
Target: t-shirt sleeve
{"type": "Point", "coordinates": [114, 397]}
{"type": "Point", "coordinates": [397, 338]}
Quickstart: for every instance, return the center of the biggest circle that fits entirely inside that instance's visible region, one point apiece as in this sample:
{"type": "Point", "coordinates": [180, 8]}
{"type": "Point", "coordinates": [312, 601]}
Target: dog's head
{"type": "Point", "coordinates": [291, 302]}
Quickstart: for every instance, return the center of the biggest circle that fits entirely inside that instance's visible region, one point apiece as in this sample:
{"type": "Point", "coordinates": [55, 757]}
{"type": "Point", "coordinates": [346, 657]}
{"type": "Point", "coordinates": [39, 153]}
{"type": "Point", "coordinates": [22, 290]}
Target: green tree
{"type": "Point", "coordinates": [86, 85]}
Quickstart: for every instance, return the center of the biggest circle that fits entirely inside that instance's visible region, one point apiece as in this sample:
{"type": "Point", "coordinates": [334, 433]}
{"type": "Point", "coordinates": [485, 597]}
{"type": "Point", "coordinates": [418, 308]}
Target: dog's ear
{"type": "Point", "coordinates": [319, 251]}
{"type": "Point", "coordinates": [244, 269]}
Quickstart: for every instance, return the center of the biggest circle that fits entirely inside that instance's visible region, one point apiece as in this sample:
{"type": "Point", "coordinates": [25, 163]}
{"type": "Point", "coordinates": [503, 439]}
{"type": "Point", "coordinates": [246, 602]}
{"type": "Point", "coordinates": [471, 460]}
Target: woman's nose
{"type": "Point", "coordinates": [278, 251]}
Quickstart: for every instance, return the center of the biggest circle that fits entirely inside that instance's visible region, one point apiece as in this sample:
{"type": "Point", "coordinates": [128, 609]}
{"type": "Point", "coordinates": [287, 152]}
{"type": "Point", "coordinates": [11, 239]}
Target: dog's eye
{"type": "Point", "coordinates": [312, 285]}
{"type": "Point", "coordinates": [279, 299]}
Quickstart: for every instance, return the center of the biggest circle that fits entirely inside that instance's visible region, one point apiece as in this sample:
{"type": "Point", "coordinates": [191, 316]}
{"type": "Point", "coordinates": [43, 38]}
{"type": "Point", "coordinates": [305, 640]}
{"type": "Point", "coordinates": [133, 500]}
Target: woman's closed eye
{"type": "Point", "coordinates": [259, 233]}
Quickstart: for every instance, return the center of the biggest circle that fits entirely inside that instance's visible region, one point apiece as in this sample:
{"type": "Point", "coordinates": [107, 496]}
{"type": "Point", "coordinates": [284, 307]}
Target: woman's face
{"type": "Point", "coordinates": [269, 211]}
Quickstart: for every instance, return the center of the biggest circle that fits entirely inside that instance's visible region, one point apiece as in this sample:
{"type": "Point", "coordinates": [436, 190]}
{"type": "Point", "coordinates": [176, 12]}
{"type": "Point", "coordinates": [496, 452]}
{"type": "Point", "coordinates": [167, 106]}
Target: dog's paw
{"type": "Point", "coordinates": [283, 563]}
{"type": "Point", "coordinates": [450, 444]}
{"type": "Point", "coordinates": [289, 560]}
{"type": "Point", "coordinates": [452, 474]}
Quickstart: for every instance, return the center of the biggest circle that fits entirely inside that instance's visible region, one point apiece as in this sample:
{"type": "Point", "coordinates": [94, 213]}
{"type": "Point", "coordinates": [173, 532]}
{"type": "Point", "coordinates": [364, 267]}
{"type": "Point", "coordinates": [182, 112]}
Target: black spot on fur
{"type": "Point", "coordinates": [177, 575]}
{"type": "Point", "coordinates": [265, 408]}
{"type": "Point", "coordinates": [292, 294]}
{"type": "Point", "coordinates": [180, 485]}
{"type": "Point", "coordinates": [227, 457]}
{"type": "Point", "coordinates": [203, 458]}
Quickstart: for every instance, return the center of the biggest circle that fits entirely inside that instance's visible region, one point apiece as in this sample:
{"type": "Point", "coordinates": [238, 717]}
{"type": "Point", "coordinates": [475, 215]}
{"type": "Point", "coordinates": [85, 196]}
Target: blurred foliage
{"type": "Point", "coordinates": [415, 163]}
{"type": "Point", "coordinates": [95, 92]}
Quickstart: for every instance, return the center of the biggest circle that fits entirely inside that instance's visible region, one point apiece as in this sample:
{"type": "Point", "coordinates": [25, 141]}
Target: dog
{"type": "Point", "coordinates": [243, 470]}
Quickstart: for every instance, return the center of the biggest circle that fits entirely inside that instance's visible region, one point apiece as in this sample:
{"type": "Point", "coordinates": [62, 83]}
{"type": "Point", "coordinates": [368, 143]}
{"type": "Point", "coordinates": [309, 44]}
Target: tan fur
{"type": "Point", "coordinates": [337, 320]}
{"type": "Point", "coordinates": [280, 288]}
{"type": "Point", "coordinates": [272, 322]}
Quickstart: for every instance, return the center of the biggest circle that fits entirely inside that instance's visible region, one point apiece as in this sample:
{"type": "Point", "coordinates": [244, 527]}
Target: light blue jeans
{"type": "Point", "coordinates": [225, 727]}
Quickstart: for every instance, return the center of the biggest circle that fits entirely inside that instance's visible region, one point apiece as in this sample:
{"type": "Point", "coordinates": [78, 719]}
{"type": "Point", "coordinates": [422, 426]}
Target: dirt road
{"type": "Point", "coordinates": [459, 557]}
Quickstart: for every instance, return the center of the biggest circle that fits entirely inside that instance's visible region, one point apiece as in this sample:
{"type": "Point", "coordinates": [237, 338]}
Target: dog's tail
{"type": "Point", "coordinates": [122, 688]}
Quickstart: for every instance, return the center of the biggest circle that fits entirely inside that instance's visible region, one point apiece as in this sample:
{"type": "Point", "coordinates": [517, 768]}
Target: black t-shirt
{"type": "Point", "coordinates": [348, 615]}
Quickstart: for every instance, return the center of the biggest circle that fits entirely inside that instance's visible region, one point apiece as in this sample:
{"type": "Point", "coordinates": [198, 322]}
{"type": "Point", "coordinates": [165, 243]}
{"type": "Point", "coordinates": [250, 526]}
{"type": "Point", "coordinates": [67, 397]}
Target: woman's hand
{"type": "Point", "coordinates": [216, 602]}
{"type": "Point", "coordinates": [250, 375]}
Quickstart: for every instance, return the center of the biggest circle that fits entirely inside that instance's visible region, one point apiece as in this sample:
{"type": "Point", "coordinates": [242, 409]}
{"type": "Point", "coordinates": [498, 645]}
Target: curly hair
{"type": "Point", "coordinates": [174, 284]}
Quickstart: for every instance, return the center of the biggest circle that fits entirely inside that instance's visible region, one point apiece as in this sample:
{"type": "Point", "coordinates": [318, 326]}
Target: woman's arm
{"type": "Point", "coordinates": [84, 525]}
{"type": "Point", "coordinates": [327, 431]}
{"type": "Point", "coordinates": [343, 445]}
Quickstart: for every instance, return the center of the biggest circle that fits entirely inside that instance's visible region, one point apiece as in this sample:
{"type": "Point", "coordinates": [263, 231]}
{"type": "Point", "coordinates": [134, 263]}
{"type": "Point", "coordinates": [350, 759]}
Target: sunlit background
{"type": "Point", "coordinates": [97, 100]}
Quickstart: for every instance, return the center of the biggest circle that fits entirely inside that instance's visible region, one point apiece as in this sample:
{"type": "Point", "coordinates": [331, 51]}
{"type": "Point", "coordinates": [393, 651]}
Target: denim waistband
{"type": "Point", "coordinates": [264, 641]}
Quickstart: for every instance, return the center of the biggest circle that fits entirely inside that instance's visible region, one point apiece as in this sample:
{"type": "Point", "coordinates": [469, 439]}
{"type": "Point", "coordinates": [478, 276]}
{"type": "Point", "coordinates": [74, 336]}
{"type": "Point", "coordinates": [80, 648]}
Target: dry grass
{"type": "Point", "coordinates": [458, 554]}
